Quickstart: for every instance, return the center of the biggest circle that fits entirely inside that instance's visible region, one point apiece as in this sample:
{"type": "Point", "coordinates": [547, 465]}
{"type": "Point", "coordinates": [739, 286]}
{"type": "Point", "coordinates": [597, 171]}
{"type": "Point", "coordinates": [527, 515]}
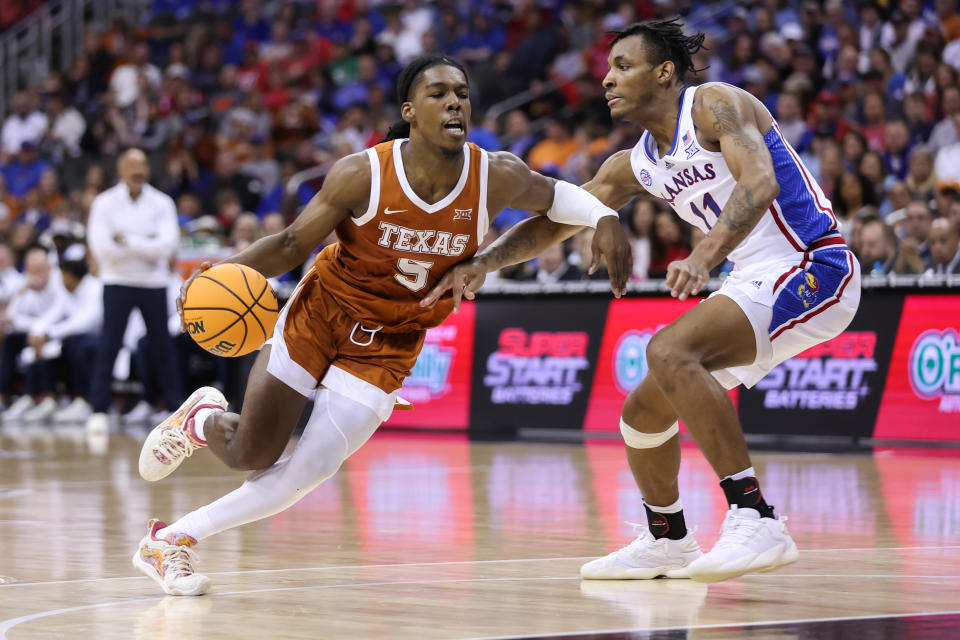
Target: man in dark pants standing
{"type": "Point", "coordinates": [133, 234]}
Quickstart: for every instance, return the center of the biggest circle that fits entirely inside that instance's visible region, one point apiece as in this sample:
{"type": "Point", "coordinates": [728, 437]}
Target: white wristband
{"type": "Point", "coordinates": [576, 206]}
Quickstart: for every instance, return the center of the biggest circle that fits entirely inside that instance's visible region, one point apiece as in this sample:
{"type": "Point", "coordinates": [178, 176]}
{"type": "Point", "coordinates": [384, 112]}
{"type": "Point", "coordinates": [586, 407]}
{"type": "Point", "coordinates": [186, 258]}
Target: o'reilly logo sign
{"type": "Point", "coordinates": [935, 367]}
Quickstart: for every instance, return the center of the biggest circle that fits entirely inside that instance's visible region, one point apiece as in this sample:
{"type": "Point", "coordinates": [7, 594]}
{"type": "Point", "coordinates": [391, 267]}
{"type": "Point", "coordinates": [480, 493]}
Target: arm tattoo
{"type": "Point", "coordinates": [725, 122]}
{"type": "Point", "coordinates": [740, 215]}
{"type": "Point", "coordinates": [510, 249]}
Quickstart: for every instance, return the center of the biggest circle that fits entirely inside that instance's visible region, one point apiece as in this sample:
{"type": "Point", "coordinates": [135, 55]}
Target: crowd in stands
{"type": "Point", "coordinates": [229, 99]}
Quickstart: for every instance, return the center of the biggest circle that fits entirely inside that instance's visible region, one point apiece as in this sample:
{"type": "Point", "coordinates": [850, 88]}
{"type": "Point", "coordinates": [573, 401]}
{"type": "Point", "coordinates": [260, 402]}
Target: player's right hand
{"type": "Point", "coordinates": [463, 280]}
{"type": "Point", "coordinates": [182, 298]}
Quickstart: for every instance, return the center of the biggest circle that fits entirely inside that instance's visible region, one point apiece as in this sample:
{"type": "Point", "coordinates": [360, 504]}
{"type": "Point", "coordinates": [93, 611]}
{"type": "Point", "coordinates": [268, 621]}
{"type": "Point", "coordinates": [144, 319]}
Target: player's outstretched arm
{"type": "Point", "coordinates": [346, 189]}
{"type": "Point", "coordinates": [565, 209]}
{"type": "Point", "coordinates": [727, 115]}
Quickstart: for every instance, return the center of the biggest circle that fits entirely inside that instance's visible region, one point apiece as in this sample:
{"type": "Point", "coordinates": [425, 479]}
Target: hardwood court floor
{"type": "Point", "coordinates": [435, 537]}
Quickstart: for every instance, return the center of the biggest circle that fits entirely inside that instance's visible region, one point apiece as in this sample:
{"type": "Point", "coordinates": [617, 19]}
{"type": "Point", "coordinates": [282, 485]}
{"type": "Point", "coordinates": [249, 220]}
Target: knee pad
{"type": "Point", "coordinates": [639, 440]}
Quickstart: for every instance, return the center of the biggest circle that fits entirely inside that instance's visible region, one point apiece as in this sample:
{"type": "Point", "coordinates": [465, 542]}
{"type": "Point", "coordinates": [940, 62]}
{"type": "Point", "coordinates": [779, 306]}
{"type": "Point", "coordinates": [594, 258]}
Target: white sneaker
{"type": "Point", "coordinates": [140, 413]}
{"type": "Point", "coordinates": [77, 411]}
{"type": "Point", "coordinates": [17, 409]}
{"type": "Point", "coordinates": [169, 561]}
{"type": "Point", "coordinates": [748, 543]}
{"type": "Point", "coordinates": [173, 440]}
{"type": "Point", "coordinates": [98, 424]}
{"type": "Point", "coordinates": [645, 558]}
{"type": "Point", "coordinates": [41, 412]}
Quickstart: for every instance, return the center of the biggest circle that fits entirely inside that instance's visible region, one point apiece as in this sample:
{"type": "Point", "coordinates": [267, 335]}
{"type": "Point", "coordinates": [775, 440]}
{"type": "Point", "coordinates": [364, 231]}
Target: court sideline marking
{"type": "Point", "coordinates": [436, 564]}
{"type": "Point", "coordinates": [7, 625]}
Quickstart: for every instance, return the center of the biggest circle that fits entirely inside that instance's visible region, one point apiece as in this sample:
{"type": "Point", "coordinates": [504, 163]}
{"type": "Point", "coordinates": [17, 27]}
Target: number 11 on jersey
{"type": "Point", "coordinates": [708, 203]}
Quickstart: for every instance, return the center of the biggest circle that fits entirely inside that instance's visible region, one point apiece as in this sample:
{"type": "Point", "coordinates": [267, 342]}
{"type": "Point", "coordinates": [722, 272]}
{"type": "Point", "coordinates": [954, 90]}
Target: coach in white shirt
{"type": "Point", "coordinates": [133, 234]}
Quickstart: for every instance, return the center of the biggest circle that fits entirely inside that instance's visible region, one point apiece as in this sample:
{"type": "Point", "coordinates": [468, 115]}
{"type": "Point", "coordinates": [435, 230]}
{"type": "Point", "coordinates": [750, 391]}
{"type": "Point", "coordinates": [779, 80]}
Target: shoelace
{"type": "Point", "coordinates": [174, 443]}
{"type": "Point", "coordinates": [179, 561]}
{"type": "Point", "coordinates": [643, 545]}
{"type": "Point", "coordinates": [737, 530]}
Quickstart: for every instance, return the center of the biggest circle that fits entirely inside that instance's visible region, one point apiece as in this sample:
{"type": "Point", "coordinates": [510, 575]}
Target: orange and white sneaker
{"type": "Point", "coordinates": [175, 439]}
{"type": "Point", "coordinates": [169, 561]}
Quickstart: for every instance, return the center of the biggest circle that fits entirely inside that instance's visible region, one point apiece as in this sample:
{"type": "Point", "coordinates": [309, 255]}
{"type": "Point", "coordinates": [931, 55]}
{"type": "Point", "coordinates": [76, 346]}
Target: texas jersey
{"type": "Point", "coordinates": [387, 259]}
{"type": "Point", "coordinates": [697, 183]}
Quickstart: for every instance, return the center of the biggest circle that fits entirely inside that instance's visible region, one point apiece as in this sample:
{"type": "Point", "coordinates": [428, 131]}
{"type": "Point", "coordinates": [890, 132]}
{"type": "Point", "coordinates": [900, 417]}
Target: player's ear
{"type": "Point", "coordinates": [667, 69]}
{"type": "Point", "coordinates": [408, 112]}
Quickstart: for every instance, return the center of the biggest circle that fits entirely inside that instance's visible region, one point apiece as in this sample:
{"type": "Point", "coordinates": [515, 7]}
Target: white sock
{"type": "Point", "coordinates": [200, 418]}
{"type": "Point", "coordinates": [746, 473]}
{"type": "Point", "coordinates": [193, 524]}
{"type": "Point", "coordinates": [337, 427]}
{"type": "Point", "coordinates": [670, 508]}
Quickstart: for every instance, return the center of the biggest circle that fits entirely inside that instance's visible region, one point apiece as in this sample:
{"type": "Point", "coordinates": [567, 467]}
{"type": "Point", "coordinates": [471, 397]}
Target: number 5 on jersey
{"type": "Point", "coordinates": [415, 273]}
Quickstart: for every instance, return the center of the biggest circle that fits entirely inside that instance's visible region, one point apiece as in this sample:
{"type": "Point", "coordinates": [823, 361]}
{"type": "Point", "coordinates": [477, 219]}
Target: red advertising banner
{"type": "Point", "coordinates": [622, 363]}
{"type": "Point", "coordinates": [439, 384]}
{"type": "Point", "coordinates": [921, 400]}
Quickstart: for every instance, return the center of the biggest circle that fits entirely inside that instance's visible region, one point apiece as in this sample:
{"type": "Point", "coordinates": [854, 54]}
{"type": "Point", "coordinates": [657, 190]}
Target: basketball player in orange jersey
{"type": "Point", "coordinates": [405, 212]}
{"type": "Point", "coordinates": [716, 155]}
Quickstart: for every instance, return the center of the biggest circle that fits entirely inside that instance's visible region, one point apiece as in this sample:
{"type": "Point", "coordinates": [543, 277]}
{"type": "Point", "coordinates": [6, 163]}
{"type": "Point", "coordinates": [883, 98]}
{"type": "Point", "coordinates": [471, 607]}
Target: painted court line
{"type": "Point", "coordinates": [436, 564]}
{"type": "Point", "coordinates": [720, 625]}
{"type": "Point", "coordinates": [7, 625]}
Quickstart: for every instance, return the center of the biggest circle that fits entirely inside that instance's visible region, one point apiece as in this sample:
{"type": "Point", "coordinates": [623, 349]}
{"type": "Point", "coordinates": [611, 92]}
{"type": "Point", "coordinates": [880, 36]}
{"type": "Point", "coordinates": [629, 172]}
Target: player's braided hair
{"type": "Point", "coordinates": [666, 41]}
{"type": "Point", "coordinates": [410, 75]}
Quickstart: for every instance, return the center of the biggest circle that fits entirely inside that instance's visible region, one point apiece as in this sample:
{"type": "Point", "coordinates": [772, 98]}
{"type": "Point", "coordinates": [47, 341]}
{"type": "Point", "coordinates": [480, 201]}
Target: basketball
{"type": "Point", "coordinates": [230, 310]}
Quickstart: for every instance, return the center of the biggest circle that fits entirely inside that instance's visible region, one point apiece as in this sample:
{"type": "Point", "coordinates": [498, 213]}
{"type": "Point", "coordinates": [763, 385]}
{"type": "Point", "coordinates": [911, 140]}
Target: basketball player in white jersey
{"type": "Point", "coordinates": [715, 154]}
{"type": "Point", "coordinates": [405, 212]}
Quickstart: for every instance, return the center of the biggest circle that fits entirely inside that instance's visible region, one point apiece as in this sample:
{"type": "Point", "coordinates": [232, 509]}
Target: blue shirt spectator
{"type": "Point", "coordinates": [23, 173]}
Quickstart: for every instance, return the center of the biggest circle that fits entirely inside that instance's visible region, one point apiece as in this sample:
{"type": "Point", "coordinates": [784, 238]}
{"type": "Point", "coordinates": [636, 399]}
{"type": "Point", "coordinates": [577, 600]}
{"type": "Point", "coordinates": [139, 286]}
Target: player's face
{"type": "Point", "coordinates": [440, 107]}
{"type": "Point", "coordinates": [631, 79]}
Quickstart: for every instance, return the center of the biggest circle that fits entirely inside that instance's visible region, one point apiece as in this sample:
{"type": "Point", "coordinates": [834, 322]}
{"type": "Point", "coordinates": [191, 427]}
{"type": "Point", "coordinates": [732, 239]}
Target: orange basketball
{"type": "Point", "coordinates": [230, 310]}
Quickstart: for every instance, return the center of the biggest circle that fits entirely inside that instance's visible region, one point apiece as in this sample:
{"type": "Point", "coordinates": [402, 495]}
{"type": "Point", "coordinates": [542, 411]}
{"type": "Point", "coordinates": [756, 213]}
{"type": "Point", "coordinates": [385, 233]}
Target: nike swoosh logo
{"type": "Point", "coordinates": [389, 211]}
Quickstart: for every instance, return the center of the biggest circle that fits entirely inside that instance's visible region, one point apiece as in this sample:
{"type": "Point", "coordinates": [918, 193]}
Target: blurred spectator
{"type": "Point", "coordinates": [553, 266]}
{"type": "Point", "coordinates": [945, 132]}
{"type": "Point", "coordinates": [873, 169]}
{"type": "Point", "coordinates": [69, 332]}
{"type": "Point", "coordinates": [944, 241]}
{"type": "Point", "coordinates": [22, 174]}
{"type": "Point", "coordinates": [898, 197]}
{"type": "Point", "coordinates": [944, 195]}
{"type": "Point", "coordinates": [26, 309]}
{"type": "Point", "coordinates": [790, 118]}
{"type": "Point", "coordinates": [874, 114]}
{"type": "Point", "coordinates": [24, 124]}
{"type": "Point", "coordinates": [852, 192]}
{"type": "Point", "coordinates": [878, 247]}
{"type": "Point", "coordinates": [897, 152]}
{"type": "Point", "coordinates": [640, 231]}
{"type": "Point", "coordinates": [916, 227]}
{"type": "Point", "coordinates": [133, 236]}
{"type": "Point", "coordinates": [917, 118]}
{"type": "Point", "coordinates": [549, 155]}
{"type": "Point", "coordinates": [921, 179]}
{"type": "Point", "coordinates": [667, 244]}
{"type": "Point", "coordinates": [128, 80]}
{"type": "Point", "coordinates": [854, 145]}
{"type": "Point", "coordinates": [898, 41]}
{"type": "Point", "coordinates": [11, 280]}
{"type": "Point", "coordinates": [246, 230]}
{"type": "Point", "coordinates": [518, 138]}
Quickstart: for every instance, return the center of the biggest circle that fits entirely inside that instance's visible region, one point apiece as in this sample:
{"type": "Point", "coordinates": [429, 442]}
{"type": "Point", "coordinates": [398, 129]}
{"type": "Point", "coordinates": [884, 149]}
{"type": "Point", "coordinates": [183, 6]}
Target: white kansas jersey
{"type": "Point", "coordinates": [697, 183]}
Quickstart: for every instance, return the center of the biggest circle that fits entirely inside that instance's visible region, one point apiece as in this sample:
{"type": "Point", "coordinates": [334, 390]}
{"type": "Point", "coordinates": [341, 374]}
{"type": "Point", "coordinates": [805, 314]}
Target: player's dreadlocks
{"type": "Point", "coordinates": [409, 77]}
{"type": "Point", "coordinates": [666, 41]}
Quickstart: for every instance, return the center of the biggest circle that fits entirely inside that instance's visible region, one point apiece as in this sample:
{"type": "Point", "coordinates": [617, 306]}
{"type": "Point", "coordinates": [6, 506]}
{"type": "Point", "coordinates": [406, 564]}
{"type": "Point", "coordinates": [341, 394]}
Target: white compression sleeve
{"type": "Point", "coordinates": [338, 426]}
{"type": "Point", "coordinates": [576, 206]}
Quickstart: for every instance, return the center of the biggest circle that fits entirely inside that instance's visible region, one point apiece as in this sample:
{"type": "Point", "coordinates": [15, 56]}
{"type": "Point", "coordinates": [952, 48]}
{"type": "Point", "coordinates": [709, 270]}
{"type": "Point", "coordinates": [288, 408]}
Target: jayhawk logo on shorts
{"type": "Point", "coordinates": [645, 178]}
{"type": "Point", "coordinates": [808, 290]}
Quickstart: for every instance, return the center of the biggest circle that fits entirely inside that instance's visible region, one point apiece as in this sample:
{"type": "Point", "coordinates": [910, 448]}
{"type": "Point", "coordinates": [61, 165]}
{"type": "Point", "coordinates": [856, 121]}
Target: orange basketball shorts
{"type": "Point", "coordinates": [315, 343]}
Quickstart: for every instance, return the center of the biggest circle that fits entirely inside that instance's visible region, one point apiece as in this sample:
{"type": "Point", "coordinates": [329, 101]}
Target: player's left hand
{"type": "Point", "coordinates": [463, 280]}
{"type": "Point", "coordinates": [686, 277]}
{"type": "Point", "coordinates": [611, 241]}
